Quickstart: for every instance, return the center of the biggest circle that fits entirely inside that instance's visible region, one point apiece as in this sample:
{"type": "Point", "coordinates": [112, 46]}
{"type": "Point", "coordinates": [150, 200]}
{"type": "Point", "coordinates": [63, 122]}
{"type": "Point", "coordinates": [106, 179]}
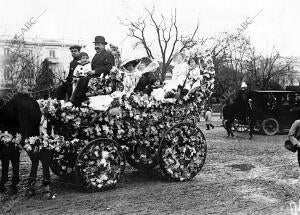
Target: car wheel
{"type": "Point", "coordinates": [270, 126]}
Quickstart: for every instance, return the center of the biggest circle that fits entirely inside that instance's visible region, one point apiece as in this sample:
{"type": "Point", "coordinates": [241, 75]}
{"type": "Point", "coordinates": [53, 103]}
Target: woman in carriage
{"type": "Point", "coordinates": [132, 69]}
{"type": "Point", "coordinates": [186, 78]}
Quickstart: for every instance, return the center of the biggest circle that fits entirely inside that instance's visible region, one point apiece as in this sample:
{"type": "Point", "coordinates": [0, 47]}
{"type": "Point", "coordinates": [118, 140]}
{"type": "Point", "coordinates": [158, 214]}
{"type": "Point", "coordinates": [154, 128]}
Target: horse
{"type": "Point", "coordinates": [20, 113]}
{"type": "Point", "coordinates": [238, 107]}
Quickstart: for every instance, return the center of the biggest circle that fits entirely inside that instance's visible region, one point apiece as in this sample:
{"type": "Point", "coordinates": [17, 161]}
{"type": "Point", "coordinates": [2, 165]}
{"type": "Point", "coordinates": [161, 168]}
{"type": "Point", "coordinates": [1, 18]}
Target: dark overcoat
{"type": "Point", "coordinates": [102, 63]}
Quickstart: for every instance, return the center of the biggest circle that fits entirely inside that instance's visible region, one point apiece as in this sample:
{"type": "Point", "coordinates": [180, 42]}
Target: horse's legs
{"type": "Point", "coordinates": [228, 125]}
{"type": "Point", "coordinates": [15, 162]}
{"type": "Point", "coordinates": [33, 172]}
{"type": "Point", "coordinates": [4, 175]}
{"type": "Point", "coordinates": [46, 159]}
{"type": "Point", "coordinates": [251, 128]}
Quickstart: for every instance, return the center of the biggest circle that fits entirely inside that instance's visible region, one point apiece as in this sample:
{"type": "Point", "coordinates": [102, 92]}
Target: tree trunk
{"type": "Point", "coordinates": [163, 73]}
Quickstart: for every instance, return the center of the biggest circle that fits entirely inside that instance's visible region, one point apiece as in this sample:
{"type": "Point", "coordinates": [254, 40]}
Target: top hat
{"type": "Point", "coordinates": [100, 39]}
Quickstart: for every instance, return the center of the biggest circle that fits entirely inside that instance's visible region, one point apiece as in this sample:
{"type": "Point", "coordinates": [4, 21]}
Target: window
{"type": "Point", "coordinates": [6, 51]}
{"type": "Point", "coordinates": [30, 52]}
{"type": "Point", "coordinates": [52, 53]}
{"type": "Point", "coordinates": [7, 73]}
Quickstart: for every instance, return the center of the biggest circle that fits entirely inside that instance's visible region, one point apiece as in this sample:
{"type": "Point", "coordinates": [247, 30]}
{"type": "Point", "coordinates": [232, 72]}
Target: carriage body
{"type": "Point", "coordinates": [146, 135]}
{"type": "Point", "coordinates": [140, 130]}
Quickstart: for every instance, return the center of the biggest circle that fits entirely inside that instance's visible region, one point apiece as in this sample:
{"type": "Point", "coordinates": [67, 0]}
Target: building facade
{"type": "Point", "coordinates": [56, 51]}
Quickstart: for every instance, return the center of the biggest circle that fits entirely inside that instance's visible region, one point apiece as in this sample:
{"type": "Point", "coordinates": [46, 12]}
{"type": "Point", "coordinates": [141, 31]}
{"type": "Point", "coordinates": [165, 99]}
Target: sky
{"type": "Point", "coordinates": [276, 23]}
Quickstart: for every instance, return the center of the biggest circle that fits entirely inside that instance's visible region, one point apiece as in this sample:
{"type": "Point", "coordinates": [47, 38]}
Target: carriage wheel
{"type": "Point", "coordinates": [232, 125]}
{"type": "Point", "coordinates": [62, 164]}
{"type": "Point", "coordinates": [270, 126]}
{"type": "Point", "coordinates": [239, 126]}
{"type": "Point", "coordinates": [182, 151]}
{"type": "Point", "coordinates": [100, 164]}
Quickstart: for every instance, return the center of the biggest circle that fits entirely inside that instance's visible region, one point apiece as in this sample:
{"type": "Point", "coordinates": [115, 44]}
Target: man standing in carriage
{"type": "Point", "coordinates": [75, 51]}
{"type": "Point", "coordinates": [102, 63]}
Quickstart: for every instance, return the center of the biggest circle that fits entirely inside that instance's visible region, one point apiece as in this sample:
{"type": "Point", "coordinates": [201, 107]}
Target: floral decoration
{"type": "Point", "coordinates": [138, 124]}
{"type": "Point", "coordinates": [183, 152]}
{"type": "Point", "coordinates": [100, 165]}
{"type": "Point", "coordinates": [9, 140]}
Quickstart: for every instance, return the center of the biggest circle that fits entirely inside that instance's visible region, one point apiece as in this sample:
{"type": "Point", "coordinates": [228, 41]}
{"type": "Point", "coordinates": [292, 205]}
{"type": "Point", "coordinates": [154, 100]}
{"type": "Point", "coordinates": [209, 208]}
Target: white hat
{"type": "Point", "coordinates": [244, 85]}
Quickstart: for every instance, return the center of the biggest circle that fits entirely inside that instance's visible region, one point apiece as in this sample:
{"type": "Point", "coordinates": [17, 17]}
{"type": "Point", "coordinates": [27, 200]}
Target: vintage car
{"type": "Point", "coordinates": [275, 111]}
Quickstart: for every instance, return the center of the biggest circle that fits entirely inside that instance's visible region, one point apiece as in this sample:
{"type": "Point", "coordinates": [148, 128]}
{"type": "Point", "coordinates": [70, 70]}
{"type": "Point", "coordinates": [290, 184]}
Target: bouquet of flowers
{"type": "Point", "coordinates": [9, 140]}
{"type": "Point", "coordinates": [44, 142]}
{"type": "Point", "coordinates": [98, 86]}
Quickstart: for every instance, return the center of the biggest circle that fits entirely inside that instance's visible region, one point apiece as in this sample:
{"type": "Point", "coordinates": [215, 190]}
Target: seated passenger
{"type": "Point", "coordinates": [148, 80]}
{"type": "Point", "coordinates": [82, 69]}
{"type": "Point", "coordinates": [195, 78]}
{"type": "Point", "coordinates": [134, 73]}
{"type": "Point", "coordinates": [179, 73]}
{"type": "Point", "coordinates": [101, 64]}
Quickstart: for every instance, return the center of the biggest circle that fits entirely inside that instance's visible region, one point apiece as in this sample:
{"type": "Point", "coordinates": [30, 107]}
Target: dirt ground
{"type": "Point", "coordinates": [240, 176]}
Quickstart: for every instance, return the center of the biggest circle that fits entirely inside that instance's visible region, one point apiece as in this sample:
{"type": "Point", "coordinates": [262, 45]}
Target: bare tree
{"type": "Point", "coordinates": [19, 65]}
{"type": "Point", "coordinates": [229, 53]}
{"type": "Point", "coordinates": [265, 70]}
{"type": "Point", "coordinates": [169, 39]}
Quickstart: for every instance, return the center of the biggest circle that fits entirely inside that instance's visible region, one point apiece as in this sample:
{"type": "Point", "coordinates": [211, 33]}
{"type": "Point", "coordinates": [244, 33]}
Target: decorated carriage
{"type": "Point", "coordinates": [94, 144]}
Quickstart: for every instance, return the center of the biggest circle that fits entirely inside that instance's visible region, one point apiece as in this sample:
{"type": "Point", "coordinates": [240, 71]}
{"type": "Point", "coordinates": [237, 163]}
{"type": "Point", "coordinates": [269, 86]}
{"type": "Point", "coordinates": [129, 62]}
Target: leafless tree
{"type": "Point", "coordinates": [19, 65]}
{"type": "Point", "coordinates": [169, 38]}
{"type": "Point", "coordinates": [264, 70]}
{"type": "Point", "coordinates": [229, 53]}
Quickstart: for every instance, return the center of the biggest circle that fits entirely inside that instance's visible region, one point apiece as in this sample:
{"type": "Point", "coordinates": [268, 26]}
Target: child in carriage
{"type": "Point", "coordinates": [82, 69]}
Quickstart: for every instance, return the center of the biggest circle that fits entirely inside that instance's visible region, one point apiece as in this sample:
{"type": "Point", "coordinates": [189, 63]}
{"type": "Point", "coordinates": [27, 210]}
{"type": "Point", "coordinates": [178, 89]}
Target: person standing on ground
{"type": "Point", "coordinates": [208, 116]}
{"type": "Point", "coordinates": [228, 117]}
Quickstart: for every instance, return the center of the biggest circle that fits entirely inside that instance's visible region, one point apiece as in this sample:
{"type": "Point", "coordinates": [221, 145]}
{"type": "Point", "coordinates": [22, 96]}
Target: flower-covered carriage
{"type": "Point", "coordinates": [145, 132]}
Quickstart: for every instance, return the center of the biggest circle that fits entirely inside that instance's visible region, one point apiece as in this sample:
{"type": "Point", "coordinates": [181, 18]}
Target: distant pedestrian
{"type": "Point", "coordinates": [228, 116]}
{"type": "Point", "coordinates": [208, 119]}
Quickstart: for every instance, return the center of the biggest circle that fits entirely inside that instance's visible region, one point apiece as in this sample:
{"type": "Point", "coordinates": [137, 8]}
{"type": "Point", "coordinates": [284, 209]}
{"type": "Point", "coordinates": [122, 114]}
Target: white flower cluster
{"type": "Point", "coordinates": [48, 106]}
{"type": "Point", "coordinates": [6, 138]}
{"type": "Point", "coordinates": [37, 143]}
